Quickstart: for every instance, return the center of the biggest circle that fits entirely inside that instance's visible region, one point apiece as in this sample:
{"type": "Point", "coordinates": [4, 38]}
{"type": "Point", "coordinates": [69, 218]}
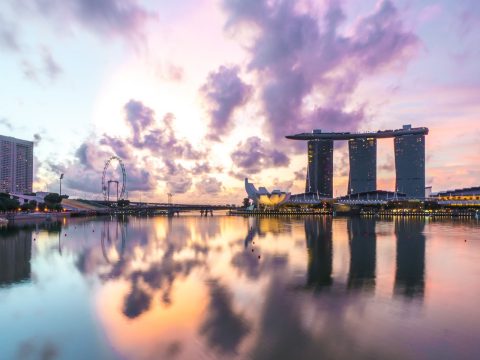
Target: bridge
{"type": "Point", "coordinates": [108, 207]}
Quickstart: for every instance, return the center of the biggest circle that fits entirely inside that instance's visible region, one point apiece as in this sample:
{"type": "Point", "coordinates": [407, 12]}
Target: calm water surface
{"type": "Point", "coordinates": [244, 288]}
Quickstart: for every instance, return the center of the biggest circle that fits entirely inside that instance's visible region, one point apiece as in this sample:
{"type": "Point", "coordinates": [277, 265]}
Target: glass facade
{"type": "Point", "coordinates": [410, 165]}
{"type": "Point", "coordinates": [363, 165]}
{"type": "Point", "coordinates": [320, 167]}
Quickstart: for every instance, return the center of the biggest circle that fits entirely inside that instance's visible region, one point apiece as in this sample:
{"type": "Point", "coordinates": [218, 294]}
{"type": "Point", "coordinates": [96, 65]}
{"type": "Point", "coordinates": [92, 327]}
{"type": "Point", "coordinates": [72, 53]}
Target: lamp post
{"type": "Point", "coordinates": [61, 177]}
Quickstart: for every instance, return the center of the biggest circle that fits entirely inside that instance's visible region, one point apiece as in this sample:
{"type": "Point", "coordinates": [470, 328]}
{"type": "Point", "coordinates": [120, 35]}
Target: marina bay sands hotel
{"type": "Point", "coordinates": [409, 144]}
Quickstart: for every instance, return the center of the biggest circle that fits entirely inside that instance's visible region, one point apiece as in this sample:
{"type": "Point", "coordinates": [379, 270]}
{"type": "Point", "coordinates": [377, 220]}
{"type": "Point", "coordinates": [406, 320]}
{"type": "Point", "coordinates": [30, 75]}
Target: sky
{"type": "Point", "coordinates": [196, 95]}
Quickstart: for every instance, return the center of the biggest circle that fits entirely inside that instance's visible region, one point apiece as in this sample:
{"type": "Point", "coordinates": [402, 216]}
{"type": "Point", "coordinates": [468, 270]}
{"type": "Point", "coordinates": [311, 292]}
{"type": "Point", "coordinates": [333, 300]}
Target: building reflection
{"type": "Point", "coordinates": [113, 238]}
{"type": "Point", "coordinates": [15, 255]}
{"type": "Point", "coordinates": [410, 272]}
{"type": "Point", "coordinates": [318, 233]}
{"type": "Point", "coordinates": [363, 241]}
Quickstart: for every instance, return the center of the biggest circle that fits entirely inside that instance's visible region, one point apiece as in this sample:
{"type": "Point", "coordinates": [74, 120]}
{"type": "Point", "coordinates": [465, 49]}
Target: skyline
{"type": "Point", "coordinates": [196, 111]}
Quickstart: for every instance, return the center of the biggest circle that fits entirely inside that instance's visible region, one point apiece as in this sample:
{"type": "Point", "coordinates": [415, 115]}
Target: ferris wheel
{"type": "Point", "coordinates": [119, 180]}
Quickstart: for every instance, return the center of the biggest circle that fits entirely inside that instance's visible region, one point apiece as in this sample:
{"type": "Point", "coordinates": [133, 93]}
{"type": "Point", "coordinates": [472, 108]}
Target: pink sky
{"type": "Point", "coordinates": [195, 96]}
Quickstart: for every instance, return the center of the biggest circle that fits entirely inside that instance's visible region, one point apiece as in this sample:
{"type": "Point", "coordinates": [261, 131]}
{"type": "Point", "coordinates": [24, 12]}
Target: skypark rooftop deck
{"type": "Point", "coordinates": [381, 134]}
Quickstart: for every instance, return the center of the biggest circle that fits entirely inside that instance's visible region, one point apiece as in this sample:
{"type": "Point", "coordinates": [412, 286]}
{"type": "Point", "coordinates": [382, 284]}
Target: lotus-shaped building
{"type": "Point", "coordinates": [263, 197]}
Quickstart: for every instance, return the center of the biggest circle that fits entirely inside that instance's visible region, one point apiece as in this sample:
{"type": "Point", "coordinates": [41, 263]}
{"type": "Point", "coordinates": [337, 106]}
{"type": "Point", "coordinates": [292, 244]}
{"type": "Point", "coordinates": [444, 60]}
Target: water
{"type": "Point", "coordinates": [192, 288]}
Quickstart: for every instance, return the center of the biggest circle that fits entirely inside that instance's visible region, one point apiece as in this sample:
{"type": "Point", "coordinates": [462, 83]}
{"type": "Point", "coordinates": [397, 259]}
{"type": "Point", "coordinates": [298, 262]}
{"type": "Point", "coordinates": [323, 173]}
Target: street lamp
{"type": "Point", "coordinates": [61, 177]}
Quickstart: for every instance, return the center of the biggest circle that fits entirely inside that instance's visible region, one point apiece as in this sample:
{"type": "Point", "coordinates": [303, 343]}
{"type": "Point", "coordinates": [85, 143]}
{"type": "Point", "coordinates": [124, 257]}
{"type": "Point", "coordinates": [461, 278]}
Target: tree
{"type": "Point", "coordinates": [123, 203]}
{"type": "Point", "coordinates": [246, 202]}
{"type": "Point", "coordinates": [8, 204]}
{"type": "Point", "coordinates": [53, 198]}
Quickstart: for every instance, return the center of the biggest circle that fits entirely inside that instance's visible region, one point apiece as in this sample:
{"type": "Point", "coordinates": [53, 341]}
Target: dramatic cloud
{"type": "Point", "coordinates": [151, 153]}
{"type": "Point", "coordinates": [224, 91]}
{"type": "Point", "coordinates": [209, 185]}
{"type": "Point", "coordinates": [160, 138]}
{"type": "Point", "coordinates": [303, 60]}
{"type": "Point", "coordinates": [253, 156]}
{"type": "Point", "coordinates": [124, 18]}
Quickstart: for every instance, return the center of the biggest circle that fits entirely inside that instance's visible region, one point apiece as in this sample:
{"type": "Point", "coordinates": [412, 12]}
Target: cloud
{"type": "Point", "coordinates": [50, 66]}
{"type": "Point", "coordinates": [224, 91]}
{"type": "Point", "coordinates": [36, 139]}
{"type": "Point", "coordinates": [209, 185]}
{"type": "Point", "coordinates": [302, 59]}
{"type": "Point", "coordinates": [469, 18]}
{"type": "Point", "coordinates": [159, 138]}
{"type": "Point", "coordinates": [107, 18]}
{"type": "Point", "coordinates": [137, 302]}
{"type": "Point", "coordinates": [8, 36]}
{"type": "Point", "coordinates": [301, 174]}
{"type": "Point", "coordinates": [29, 71]}
{"type": "Point", "coordinates": [151, 152]}
{"type": "Point", "coordinates": [253, 155]}
{"type": "Point", "coordinates": [222, 326]}
{"type": "Point", "coordinates": [7, 124]}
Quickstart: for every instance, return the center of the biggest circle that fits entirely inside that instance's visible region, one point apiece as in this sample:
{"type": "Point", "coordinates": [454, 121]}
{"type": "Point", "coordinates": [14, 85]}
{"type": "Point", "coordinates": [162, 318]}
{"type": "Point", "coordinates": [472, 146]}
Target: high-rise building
{"type": "Point", "coordinates": [320, 167]}
{"type": "Point", "coordinates": [363, 165]}
{"type": "Point", "coordinates": [409, 160]}
{"type": "Point", "coordinates": [410, 165]}
{"type": "Point", "coordinates": [16, 165]}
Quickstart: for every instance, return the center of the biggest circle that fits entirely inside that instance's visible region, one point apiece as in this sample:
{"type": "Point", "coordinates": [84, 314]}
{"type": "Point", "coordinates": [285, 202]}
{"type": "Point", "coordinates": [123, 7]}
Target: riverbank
{"type": "Point", "coordinates": [296, 212]}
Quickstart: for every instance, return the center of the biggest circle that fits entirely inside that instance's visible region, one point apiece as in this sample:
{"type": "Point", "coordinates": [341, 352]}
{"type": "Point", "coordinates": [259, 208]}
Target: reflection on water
{"type": "Point", "coordinates": [409, 276]}
{"type": "Point", "coordinates": [232, 287]}
{"type": "Point", "coordinates": [15, 255]}
{"type": "Point", "coordinates": [318, 233]}
{"type": "Point", "coordinates": [363, 244]}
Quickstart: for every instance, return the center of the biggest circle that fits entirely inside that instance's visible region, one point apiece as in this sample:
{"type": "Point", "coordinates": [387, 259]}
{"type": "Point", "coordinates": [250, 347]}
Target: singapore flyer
{"type": "Point", "coordinates": [114, 179]}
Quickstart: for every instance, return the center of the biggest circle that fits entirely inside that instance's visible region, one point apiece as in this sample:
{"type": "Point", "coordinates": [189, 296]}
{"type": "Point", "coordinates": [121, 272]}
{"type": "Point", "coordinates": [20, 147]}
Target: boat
{"type": "Point", "coordinates": [3, 221]}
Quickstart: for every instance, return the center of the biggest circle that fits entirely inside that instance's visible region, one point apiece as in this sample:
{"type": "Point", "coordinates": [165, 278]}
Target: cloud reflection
{"type": "Point", "coordinates": [223, 328]}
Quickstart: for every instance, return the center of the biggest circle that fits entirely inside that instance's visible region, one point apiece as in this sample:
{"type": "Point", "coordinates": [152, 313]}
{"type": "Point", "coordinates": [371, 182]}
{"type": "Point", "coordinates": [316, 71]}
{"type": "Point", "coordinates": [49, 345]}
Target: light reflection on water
{"type": "Point", "coordinates": [233, 287]}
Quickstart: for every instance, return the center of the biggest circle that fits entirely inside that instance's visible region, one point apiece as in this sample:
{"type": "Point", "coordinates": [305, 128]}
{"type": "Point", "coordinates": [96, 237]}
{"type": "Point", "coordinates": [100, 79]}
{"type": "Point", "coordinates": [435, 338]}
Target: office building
{"type": "Point", "coordinates": [16, 165]}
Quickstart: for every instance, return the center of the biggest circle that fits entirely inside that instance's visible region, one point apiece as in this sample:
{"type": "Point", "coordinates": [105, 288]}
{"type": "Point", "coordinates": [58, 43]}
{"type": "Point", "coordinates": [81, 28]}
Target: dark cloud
{"type": "Point", "coordinates": [137, 302]}
{"type": "Point", "coordinates": [107, 18]}
{"type": "Point", "coordinates": [209, 185]}
{"type": "Point", "coordinates": [224, 91]}
{"type": "Point", "coordinates": [36, 139]}
{"type": "Point", "coordinates": [253, 155]}
{"type": "Point", "coordinates": [222, 326]}
{"type": "Point", "coordinates": [299, 54]}
{"type": "Point", "coordinates": [8, 35]}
